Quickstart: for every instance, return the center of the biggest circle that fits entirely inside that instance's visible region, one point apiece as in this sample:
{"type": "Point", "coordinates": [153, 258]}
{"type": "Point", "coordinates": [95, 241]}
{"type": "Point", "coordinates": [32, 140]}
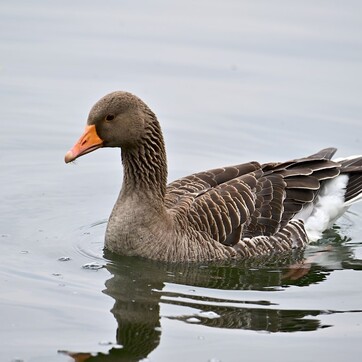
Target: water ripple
{"type": "Point", "coordinates": [90, 240]}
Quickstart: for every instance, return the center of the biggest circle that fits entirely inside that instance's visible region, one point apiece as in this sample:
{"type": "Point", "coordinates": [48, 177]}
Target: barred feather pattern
{"type": "Point", "coordinates": [244, 210]}
{"type": "Point", "coordinates": [144, 165]}
{"type": "Point", "coordinates": [250, 207]}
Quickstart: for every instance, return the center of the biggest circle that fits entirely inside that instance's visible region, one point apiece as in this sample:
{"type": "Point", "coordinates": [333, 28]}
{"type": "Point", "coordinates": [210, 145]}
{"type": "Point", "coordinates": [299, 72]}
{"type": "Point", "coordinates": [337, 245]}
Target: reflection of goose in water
{"type": "Point", "coordinates": [139, 286]}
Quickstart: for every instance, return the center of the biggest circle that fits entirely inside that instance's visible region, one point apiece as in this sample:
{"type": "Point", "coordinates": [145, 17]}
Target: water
{"type": "Point", "coordinates": [230, 82]}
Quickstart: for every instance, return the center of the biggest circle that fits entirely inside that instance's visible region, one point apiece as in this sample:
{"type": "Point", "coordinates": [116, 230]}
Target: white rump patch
{"type": "Point", "coordinates": [328, 207]}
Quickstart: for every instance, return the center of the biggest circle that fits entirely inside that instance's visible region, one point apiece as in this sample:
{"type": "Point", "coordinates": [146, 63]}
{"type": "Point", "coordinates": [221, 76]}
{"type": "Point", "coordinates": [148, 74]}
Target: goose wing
{"type": "Point", "coordinates": [250, 200]}
{"type": "Point", "coordinates": [196, 184]}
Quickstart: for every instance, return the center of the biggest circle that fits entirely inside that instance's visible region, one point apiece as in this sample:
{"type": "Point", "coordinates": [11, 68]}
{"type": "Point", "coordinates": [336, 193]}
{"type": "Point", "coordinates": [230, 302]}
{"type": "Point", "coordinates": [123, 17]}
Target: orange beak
{"type": "Point", "coordinates": [88, 142]}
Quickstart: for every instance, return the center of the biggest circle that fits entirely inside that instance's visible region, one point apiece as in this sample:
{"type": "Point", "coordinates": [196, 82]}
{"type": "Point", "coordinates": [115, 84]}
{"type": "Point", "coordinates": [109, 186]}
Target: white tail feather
{"type": "Point", "coordinates": [328, 207]}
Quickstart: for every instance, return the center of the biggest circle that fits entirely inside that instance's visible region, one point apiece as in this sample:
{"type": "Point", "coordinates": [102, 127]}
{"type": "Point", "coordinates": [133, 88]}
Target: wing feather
{"type": "Point", "coordinates": [202, 182]}
{"type": "Point", "coordinates": [226, 207]}
{"type": "Point", "coordinates": [252, 200]}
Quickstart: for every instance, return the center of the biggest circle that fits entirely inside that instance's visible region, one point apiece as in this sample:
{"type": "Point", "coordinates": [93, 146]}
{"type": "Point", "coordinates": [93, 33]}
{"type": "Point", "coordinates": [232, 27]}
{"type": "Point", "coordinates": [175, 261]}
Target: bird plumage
{"type": "Point", "coordinates": [237, 211]}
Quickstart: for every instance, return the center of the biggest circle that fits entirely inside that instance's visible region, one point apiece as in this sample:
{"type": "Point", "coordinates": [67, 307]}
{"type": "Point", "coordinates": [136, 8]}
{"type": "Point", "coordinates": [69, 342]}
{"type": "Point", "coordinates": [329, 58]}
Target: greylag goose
{"type": "Point", "coordinates": [238, 211]}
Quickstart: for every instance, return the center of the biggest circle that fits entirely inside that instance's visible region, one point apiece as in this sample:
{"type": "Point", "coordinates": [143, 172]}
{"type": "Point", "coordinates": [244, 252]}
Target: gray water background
{"type": "Point", "coordinates": [230, 81]}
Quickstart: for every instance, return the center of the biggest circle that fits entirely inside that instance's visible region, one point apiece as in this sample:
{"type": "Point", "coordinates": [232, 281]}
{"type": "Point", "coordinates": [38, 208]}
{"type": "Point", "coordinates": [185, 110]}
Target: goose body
{"type": "Point", "coordinates": [238, 211]}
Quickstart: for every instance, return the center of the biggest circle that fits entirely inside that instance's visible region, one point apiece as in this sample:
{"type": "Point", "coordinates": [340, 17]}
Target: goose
{"type": "Point", "coordinates": [239, 211]}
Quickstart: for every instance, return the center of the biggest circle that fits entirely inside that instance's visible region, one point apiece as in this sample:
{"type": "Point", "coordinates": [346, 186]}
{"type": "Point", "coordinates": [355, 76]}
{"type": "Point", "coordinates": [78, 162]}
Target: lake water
{"type": "Point", "coordinates": [231, 81]}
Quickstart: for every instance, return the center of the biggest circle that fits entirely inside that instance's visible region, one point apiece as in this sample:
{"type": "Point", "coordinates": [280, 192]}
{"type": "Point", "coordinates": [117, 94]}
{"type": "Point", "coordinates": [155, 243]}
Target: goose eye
{"type": "Point", "coordinates": [109, 117]}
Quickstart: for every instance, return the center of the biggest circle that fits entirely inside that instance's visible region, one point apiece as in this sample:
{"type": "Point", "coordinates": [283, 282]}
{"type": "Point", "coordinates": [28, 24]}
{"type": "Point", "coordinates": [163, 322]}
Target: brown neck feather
{"type": "Point", "coordinates": [145, 166]}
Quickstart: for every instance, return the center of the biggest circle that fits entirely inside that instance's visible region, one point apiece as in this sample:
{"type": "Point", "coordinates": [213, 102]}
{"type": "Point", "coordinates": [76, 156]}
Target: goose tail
{"type": "Point", "coordinates": [352, 167]}
{"type": "Point", "coordinates": [335, 197]}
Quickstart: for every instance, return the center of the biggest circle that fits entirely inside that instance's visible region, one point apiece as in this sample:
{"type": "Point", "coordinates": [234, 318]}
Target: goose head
{"type": "Point", "coordinates": [118, 119]}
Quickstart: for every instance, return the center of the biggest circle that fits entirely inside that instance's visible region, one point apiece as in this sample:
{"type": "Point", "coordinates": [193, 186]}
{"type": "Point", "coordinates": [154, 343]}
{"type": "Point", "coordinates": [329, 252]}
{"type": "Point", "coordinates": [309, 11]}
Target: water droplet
{"type": "Point", "coordinates": [105, 343]}
{"type": "Point", "coordinates": [193, 320]}
{"type": "Point", "coordinates": [208, 315]}
{"type": "Point", "coordinates": [57, 274]}
{"type": "Point", "coordinates": [64, 258]}
{"type": "Point", "coordinates": [92, 266]}
{"type": "Point", "coordinates": [109, 343]}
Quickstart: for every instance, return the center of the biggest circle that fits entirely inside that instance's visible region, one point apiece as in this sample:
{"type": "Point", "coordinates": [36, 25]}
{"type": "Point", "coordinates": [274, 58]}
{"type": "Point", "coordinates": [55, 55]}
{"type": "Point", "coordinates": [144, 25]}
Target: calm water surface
{"type": "Point", "coordinates": [231, 81]}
